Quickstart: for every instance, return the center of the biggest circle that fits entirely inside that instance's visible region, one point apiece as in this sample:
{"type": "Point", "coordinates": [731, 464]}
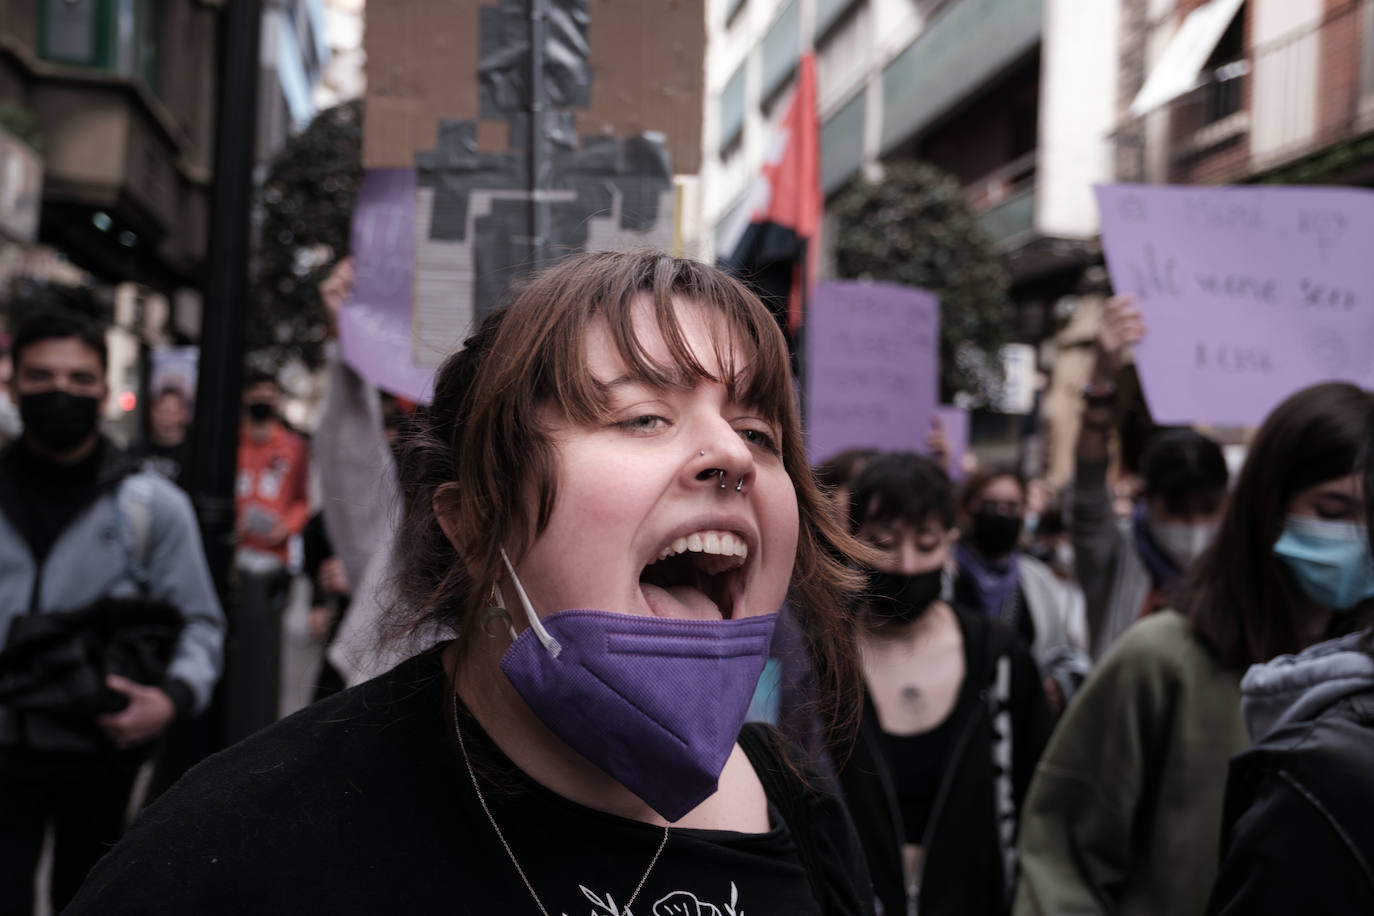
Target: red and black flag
{"type": "Point", "coordinates": [772, 245]}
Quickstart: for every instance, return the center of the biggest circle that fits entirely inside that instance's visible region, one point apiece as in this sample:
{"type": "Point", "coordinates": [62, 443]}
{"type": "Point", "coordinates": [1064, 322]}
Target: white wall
{"type": "Point", "coordinates": [1078, 85]}
{"type": "Point", "coordinates": [1284, 107]}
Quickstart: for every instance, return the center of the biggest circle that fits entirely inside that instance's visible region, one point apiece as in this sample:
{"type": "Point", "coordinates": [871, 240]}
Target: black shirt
{"type": "Point", "coordinates": [171, 461]}
{"type": "Point", "coordinates": [44, 497]}
{"type": "Point", "coordinates": [362, 804]}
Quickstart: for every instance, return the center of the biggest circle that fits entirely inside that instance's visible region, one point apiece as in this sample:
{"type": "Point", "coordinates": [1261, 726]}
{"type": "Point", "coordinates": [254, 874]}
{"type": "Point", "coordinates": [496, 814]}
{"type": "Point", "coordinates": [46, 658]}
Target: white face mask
{"type": "Point", "coordinates": [1183, 542]}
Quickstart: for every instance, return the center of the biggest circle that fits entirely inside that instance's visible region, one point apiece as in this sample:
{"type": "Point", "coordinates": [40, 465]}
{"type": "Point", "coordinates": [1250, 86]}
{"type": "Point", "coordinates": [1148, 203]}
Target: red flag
{"type": "Point", "coordinates": [775, 252]}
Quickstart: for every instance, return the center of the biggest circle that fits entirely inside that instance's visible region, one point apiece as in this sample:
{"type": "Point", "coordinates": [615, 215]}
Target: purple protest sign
{"type": "Point", "coordinates": [376, 324]}
{"type": "Point", "coordinates": [1248, 293]}
{"type": "Point", "coordinates": [872, 365]}
{"type": "Point", "coordinates": [954, 423]}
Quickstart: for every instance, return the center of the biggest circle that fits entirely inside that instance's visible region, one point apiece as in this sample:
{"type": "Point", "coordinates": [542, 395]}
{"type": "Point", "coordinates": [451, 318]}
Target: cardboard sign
{"type": "Point", "coordinates": [1248, 293]}
{"type": "Point", "coordinates": [428, 62]}
{"type": "Point", "coordinates": [873, 359]}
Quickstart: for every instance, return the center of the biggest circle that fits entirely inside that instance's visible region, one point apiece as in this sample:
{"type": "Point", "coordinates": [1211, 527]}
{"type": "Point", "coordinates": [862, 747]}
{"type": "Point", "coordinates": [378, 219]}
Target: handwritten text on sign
{"type": "Point", "coordinates": [872, 364]}
{"type": "Point", "coordinates": [1249, 294]}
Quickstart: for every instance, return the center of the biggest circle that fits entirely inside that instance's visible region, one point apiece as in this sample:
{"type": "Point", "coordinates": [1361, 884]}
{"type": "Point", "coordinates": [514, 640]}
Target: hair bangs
{"type": "Point", "coordinates": [749, 356]}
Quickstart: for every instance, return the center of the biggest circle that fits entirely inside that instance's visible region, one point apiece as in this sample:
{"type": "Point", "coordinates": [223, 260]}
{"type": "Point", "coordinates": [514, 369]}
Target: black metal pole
{"type": "Point", "coordinates": [226, 291]}
{"type": "Point", "coordinates": [538, 150]}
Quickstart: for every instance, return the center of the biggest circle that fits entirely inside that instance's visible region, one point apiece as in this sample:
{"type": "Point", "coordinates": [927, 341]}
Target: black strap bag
{"type": "Point", "coordinates": [55, 664]}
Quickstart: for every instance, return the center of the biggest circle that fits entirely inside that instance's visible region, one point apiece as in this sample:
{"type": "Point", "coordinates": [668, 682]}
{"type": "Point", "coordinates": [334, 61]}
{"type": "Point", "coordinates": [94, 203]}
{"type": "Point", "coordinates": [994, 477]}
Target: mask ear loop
{"type": "Point", "coordinates": [550, 644]}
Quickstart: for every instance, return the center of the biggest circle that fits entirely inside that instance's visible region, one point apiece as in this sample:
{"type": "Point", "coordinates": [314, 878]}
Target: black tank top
{"type": "Point", "coordinates": [917, 765]}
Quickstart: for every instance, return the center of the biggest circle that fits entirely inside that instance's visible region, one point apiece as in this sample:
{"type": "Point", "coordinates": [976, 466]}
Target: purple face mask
{"type": "Point", "coordinates": [656, 703]}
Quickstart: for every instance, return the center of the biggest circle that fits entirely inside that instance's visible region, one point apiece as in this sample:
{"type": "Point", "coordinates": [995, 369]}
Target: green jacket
{"type": "Point", "coordinates": [1124, 813]}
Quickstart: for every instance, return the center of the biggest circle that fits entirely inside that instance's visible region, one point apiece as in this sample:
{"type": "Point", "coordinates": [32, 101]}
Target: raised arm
{"type": "Point", "coordinates": [1095, 539]}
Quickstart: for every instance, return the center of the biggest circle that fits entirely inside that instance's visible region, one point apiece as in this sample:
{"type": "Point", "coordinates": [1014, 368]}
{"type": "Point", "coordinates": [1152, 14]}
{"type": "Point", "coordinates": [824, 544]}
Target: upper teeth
{"type": "Point", "coordinates": [720, 543]}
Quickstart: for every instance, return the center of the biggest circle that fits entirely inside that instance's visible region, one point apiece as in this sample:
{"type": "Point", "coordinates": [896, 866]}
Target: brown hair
{"type": "Point", "coordinates": [973, 488]}
{"type": "Point", "coordinates": [481, 450]}
{"type": "Point", "coordinates": [1243, 603]}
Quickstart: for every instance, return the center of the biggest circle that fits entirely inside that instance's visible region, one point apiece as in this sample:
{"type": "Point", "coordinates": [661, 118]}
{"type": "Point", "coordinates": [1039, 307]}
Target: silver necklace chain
{"type": "Point", "coordinates": [502, 837]}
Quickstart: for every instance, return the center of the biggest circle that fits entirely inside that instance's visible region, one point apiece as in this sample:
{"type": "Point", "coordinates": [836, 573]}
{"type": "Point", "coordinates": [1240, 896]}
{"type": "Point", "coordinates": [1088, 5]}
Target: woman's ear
{"type": "Point", "coordinates": [446, 512]}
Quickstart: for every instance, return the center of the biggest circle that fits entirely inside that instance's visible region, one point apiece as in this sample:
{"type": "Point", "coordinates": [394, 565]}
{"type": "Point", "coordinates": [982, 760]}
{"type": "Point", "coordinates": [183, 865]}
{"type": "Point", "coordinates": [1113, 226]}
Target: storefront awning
{"type": "Point", "coordinates": [1179, 67]}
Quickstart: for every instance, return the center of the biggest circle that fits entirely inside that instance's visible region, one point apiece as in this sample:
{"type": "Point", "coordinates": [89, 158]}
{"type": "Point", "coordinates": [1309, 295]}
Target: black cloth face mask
{"type": "Point", "coordinates": [261, 410]}
{"type": "Point", "coordinates": [995, 535]}
{"type": "Point", "coordinates": [58, 421]}
{"type": "Point", "coordinates": [903, 598]}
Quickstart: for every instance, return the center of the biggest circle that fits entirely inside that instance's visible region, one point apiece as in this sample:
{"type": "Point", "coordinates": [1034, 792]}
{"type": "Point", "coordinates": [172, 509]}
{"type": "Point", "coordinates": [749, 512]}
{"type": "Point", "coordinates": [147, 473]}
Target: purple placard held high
{"type": "Point", "coordinates": [873, 356]}
{"type": "Point", "coordinates": [1248, 293]}
{"type": "Point", "coordinates": [376, 324]}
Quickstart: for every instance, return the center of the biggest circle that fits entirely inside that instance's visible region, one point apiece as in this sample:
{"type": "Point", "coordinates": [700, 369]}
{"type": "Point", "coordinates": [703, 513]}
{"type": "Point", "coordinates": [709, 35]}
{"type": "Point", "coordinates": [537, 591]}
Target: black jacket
{"type": "Point", "coordinates": [1298, 833]}
{"type": "Point", "coordinates": [968, 868]}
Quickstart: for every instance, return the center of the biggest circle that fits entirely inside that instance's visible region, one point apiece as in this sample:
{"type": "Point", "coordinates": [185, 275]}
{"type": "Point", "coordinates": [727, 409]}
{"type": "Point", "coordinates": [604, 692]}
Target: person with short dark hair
{"type": "Point", "coordinates": [954, 716]}
{"type": "Point", "coordinates": [167, 450]}
{"type": "Point", "coordinates": [1125, 813]}
{"type": "Point", "coordinates": [83, 530]}
{"type": "Point", "coordinates": [1133, 567]}
{"type": "Point", "coordinates": [606, 504]}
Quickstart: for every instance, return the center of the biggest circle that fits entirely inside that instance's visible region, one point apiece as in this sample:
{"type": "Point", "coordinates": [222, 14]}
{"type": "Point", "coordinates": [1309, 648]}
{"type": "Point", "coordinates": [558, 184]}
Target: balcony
{"type": "Point", "coordinates": [1279, 108]}
{"type": "Point", "coordinates": [1003, 201]}
{"type": "Point", "coordinates": [1011, 220]}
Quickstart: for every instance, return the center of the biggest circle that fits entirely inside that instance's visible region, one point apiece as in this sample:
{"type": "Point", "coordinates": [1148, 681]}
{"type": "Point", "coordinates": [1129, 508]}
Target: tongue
{"type": "Point", "coordinates": [680, 601]}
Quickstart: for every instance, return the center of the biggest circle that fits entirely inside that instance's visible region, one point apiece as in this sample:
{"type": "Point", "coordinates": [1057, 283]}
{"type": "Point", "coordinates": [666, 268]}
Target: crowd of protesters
{"type": "Point", "coordinates": [993, 698]}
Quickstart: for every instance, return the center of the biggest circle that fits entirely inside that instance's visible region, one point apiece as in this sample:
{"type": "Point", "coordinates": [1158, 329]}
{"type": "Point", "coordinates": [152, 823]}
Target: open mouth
{"type": "Point", "coordinates": [696, 576]}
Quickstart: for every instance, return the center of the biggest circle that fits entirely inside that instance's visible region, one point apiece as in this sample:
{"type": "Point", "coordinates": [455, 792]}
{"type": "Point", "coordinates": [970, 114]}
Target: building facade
{"type": "Point", "coordinates": [1285, 92]}
{"type": "Point", "coordinates": [122, 97]}
{"type": "Point", "coordinates": [293, 54]}
{"type": "Point", "coordinates": [1015, 98]}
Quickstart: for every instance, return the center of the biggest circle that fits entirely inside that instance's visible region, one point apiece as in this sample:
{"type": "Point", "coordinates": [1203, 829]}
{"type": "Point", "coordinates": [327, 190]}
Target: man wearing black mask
{"type": "Point", "coordinates": [80, 525]}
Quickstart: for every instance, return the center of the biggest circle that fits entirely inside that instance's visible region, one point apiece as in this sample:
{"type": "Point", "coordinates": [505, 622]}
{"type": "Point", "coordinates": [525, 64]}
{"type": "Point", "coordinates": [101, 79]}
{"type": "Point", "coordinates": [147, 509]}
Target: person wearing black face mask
{"type": "Point", "coordinates": [1006, 584]}
{"type": "Point", "coordinates": [70, 541]}
{"type": "Point", "coordinates": [273, 506]}
{"type": "Point", "coordinates": [948, 694]}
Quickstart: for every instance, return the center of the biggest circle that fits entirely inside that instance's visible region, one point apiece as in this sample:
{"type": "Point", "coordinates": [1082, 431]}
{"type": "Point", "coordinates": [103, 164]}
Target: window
{"type": "Point", "coordinates": [122, 36]}
{"type": "Point", "coordinates": [1224, 91]}
{"type": "Point", "coordinates": [732, 108]}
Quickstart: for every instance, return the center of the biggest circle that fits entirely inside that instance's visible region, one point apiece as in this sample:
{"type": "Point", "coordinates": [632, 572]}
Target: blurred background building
{"type": "Point", "coordinates": [107, 111]}
{"type": "Point", "coordinates": [1028, 104]}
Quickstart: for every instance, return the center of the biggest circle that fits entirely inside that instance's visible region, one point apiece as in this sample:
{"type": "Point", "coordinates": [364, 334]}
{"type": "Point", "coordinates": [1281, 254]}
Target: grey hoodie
{"type": "Point", "coordinates": [1297, 836]}
{"type": "Point", "coordinates": [1299, 688]}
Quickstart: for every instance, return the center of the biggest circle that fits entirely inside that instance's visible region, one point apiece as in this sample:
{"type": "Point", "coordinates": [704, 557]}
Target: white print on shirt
{"type": "Point", "coordinates": [270, 480]}
{"type": "Point", "coordinates": [678, 903]}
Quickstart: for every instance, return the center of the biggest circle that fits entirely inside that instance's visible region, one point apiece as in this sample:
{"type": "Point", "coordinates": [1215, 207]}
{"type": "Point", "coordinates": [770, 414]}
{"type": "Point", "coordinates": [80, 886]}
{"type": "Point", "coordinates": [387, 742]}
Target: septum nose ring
{"type": "Point", "coordinates": [720, 472]}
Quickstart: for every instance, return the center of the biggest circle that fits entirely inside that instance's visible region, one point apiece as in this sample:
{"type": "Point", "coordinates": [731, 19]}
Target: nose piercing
{"type": "Point", "coordinates": [739, 487]}
{"type": "Point", "coordinates": [703, 453]}
{"type": "Point", "coordinates": [722, 478]}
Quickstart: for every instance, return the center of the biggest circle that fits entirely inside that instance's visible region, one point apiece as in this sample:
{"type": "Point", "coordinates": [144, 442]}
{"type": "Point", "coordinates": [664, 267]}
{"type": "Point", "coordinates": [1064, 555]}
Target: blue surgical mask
{"type": "Point", "coordinates": [1330, 560]}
